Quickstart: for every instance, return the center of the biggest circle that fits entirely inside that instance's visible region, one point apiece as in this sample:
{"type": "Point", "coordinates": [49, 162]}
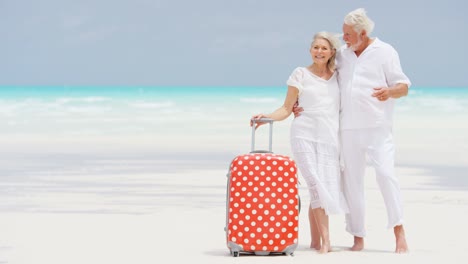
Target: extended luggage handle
{"type": "Point", "coordinates": [270, 142]}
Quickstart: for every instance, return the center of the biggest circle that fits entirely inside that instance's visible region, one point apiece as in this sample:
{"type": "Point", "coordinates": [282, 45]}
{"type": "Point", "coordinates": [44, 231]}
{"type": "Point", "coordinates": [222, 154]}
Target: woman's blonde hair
{"type": "Point", "coordinates": [335, 45]}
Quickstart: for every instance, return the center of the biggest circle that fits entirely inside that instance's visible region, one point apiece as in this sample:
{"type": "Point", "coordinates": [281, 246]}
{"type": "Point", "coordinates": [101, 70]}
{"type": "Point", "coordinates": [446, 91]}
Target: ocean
{"type": "Point", "coordinates": [211, 121]}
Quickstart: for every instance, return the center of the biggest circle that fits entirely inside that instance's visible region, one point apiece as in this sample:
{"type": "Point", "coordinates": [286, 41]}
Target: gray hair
{"type": "Point", "coordinates": [359, 20]}
{"type": "Point", "coordinates": [335, 45]}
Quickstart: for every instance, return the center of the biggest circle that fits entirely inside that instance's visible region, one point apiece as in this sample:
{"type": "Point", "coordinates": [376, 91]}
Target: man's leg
{"type": "Point", "coordinates": [353, 185]}
{"type": "Point", "coordinates": [381, 154]}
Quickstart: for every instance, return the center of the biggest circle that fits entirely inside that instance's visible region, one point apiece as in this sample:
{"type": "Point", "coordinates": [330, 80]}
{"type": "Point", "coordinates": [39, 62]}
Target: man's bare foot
{"type": "Point", "coordinates": [325, 248]}
{"type": "Point", "coordinates": [401, 245]}
{"type": "Point", "coordinates": [358, 244]}
{"type": "Point", "coordinates": [315, 246]}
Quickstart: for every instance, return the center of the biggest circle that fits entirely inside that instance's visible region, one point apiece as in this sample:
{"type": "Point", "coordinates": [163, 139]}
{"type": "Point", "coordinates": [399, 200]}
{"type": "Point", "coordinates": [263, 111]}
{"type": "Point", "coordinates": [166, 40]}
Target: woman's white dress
{"type": "Point", "coordinates": [315, 141]}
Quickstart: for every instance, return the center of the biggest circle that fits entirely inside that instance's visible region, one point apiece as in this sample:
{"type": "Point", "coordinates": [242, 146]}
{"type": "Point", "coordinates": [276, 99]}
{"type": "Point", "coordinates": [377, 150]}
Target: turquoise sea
{"type": "Point", "coordinates": [117, 110]}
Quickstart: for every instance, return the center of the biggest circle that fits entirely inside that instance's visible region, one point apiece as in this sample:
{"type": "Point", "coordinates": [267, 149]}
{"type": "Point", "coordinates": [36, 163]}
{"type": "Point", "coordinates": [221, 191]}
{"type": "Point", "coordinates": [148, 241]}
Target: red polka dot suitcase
{"type": "Point", "coordinates": [263, 203]}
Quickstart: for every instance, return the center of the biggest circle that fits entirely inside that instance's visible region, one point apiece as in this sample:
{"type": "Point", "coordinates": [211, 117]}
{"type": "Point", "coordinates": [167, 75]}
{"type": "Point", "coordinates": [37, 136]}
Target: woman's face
{"type": "Point", "coordinates": [321, 51]}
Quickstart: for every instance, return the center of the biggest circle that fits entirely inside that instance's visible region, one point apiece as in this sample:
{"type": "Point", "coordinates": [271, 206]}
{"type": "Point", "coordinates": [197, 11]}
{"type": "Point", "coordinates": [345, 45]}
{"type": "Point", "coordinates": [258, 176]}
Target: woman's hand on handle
{"type": "Point", "coordinates": [256, 118]}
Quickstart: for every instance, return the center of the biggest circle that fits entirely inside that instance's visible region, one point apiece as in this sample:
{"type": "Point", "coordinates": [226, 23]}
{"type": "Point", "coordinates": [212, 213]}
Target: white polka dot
{"type": "Point", "coordinates": [259, 229]}
{"type": "Point", "coordinates": [256, 189]}
{"type": "Point", "coordinates": [246, 167]}
{"type": "Point", "coordinates": [272, 218]}
{"type": "Point", "coordinates": [260, 206]}
{"type": "Point", "coordinates": [242, 199]}
{"type": "Point", "coordinates": [251, 173]}
{"type": "Point", "coordinates": [234, 227]}
{"type": "Point", "coordinates": [255, 200]}
{"type": "Point", "coordinates": [234, 239]}
{"type": "Point", "coordinates": [239, 162]}
{"type": "Point", "coordinates": [247, 217]}
{"type": "Point", "coordinates": [277, 236]}
{"type": "Point", "coordinates": [248, 205]}
{"type": "Point", "coordinates": [272, 230]}
{"type": "Point", "coordinates": [251, 162]}
{"type": "Point", "coordinates": [275, 248]}
{"type": "Point", "coordinates": [291, 212]}
{"type": "Point", "coordinates": [270, 242]}
{"type": "Point", "coordinates": [244, 189]}
{"type": "Point", "coordinates": [263, 162]}
{"type": "Point", "coordinates": [280, 178]}
{"type": "Point", "coordinates": [268, 179]}
{"type": "Point", "coordinates": [280, 189]}
{"type": "Point", "coordinates": [237, 194]}
{"type": "Point", "coordinates": [253, 223]}
{"type": "Point", "coordinates": [265, 248]}
{"type": "Point", "coordinates": [280, 168]}
{"type": "Point", "coordinates": [274, 173]}
{"type": "Point", "coordinates": [266, 212]}
{"type": "Point", "coordinates": [235, 216]}
{"type": "Point", "coordinates": [246, 240]}
{"type": "Point", "coordinates": [283, 242]}
{"type": "Point", "coordinates": [252, 247]}
{"type": "Point", "coordinates": [273, 195]}
{"type": "Point", "coordinates": [284, 218]}
{"type": "Point", "coordinates": [249, 194]}
{"type": "Point", "coordinates": [252, 235]}
{"type": "Point", "coordinates": [254, 211]}
{"type": "Point", "coordinates": [260, 218]}
{"type": "Point", "coordinates": [257, 168]}
{"type": "Point", "coordinates": [267, 200]}
{"type": "Point", "coordinates": [265, 224]}
{"type": "Point", "coordinates": [283, 229]}
{"type": "Point", "coordinates": [268, 168]}
{"type": "Point", "coordinates": [240, 234]}
{"type": "Point", "coordinates": [265, 235]}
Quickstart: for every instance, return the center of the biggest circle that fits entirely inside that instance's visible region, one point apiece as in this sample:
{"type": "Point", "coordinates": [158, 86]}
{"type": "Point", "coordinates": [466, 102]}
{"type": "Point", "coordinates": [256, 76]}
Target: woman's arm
{"type": "Point", "coordinates": [284, 111]}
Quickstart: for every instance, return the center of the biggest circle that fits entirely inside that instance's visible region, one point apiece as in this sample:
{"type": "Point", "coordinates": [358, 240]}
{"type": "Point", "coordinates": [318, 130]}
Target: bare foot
{"type": "Point", "coordinates": [325, 248]}
{"type": "Point", "coordinates": [358, 244]}
{"type": "Point", "coordinates": [315, 246]}
{"type": "Point", "coordinates": [401, 245]}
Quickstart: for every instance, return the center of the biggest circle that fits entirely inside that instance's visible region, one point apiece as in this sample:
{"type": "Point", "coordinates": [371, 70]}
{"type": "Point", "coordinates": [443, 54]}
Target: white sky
{"type": "Point", "coordinates": [214, 42]}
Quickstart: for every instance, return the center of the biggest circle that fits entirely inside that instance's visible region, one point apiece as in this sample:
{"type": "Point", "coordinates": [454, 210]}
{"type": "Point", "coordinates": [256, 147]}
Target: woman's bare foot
{"type": "Point", "coordinates": [315, 246]}
{"type": "Point", "coordinates": [401, 245]}
{"type": "Point", "coordinates": [358, 244]}
{"type": "Point", "coordinates": [325, 248]}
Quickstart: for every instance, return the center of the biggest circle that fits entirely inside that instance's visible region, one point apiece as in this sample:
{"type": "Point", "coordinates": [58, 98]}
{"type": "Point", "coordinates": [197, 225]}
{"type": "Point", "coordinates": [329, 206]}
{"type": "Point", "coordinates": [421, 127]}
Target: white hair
{"type": "Point", "coordinates": [334, 42]}
{"type": "Point", "coordinates": [359, 20]}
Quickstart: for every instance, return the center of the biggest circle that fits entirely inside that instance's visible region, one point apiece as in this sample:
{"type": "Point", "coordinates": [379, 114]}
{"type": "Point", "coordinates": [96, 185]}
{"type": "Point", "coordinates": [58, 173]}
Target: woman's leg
{"type": "Point", "coordinates": [314, 231]}
{"type": "Point", "coordinates": [322, 221]}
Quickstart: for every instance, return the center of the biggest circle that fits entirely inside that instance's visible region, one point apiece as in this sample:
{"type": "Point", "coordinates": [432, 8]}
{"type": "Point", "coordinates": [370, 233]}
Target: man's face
{"type": "Point", "coordinates": [352, 39]}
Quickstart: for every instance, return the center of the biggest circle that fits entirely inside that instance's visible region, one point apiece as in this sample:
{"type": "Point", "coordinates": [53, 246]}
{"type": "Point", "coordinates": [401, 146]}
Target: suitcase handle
{"type": "Point", "coordinates": [270, 142]}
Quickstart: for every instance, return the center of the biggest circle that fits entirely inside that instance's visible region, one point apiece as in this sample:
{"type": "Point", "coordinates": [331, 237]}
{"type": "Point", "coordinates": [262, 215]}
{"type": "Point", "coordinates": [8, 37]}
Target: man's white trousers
{"type": "Point", "coordinates": [377, 144]}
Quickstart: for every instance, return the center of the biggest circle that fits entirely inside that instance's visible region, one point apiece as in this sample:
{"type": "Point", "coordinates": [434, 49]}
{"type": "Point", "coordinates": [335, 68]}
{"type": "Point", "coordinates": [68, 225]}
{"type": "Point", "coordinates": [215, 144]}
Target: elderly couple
{"type": "Point", "coordinates": [343, 113]}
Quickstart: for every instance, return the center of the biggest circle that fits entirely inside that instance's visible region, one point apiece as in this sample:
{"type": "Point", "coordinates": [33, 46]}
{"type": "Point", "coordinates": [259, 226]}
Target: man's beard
{"type": "Point", "coordinates": [358, 44]}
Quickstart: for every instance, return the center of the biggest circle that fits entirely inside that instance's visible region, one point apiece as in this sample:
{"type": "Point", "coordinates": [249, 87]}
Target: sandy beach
{"type": "Point", "coordinates": [122, 211]}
